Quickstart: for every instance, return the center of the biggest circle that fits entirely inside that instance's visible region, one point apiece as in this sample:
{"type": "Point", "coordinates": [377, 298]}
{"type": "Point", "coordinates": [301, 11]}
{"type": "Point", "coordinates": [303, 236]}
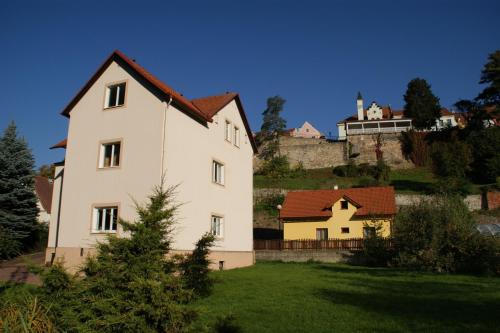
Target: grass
{"type": "Point", "coordinates": [317, 297]}
{"type": "Point", "coordinates": [409, 181]}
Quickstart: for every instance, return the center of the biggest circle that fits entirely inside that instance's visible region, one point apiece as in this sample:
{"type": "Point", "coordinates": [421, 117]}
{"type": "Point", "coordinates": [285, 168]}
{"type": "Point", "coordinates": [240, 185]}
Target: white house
{"type": "Point", "coordinates": [382, 119]}
{"type": "Point", "coordinates": [126, 130]}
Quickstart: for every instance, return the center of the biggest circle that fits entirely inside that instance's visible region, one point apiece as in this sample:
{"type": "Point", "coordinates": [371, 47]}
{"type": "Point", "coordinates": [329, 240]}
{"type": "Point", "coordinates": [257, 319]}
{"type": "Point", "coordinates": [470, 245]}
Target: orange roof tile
{"type": "Point", "coordinates": [60, 144]}
{"type": "Point", "coordinates": [317, 203]}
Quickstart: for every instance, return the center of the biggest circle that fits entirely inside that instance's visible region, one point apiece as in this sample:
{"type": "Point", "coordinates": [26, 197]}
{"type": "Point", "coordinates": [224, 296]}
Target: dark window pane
{"type": "Point", "coordinates": [115, 218]}
{"type": "Point", "coordinates": [112, 96]}
{"type": "Point", "coordinates": [107, 155]}
{"type": "Point", "coordinates": [99, 219]}
{"type": "Point", "coordinates": [121, 95]}
{"type": "Point", "coordinates": [107, 219]}
{"type": "Point", "coordinates": [343, 204]}
{"type": "Point", "coordinates": [116, 157]}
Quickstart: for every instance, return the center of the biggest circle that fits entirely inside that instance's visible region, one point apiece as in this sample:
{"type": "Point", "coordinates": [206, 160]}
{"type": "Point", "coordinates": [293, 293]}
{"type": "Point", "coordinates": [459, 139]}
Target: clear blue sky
{"type": "Point", "coordinates": [315, 54]}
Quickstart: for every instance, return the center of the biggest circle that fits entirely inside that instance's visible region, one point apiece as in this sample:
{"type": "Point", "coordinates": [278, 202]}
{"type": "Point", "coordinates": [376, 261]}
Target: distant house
{"type": "Point", "coordinates": [383, 119]}
{"type": "Point", "coordinates": [340, 213]}
{"type": "Point", "coordinates": [43, 190]}
{"type": "Point", "coordinates": [305, 131]}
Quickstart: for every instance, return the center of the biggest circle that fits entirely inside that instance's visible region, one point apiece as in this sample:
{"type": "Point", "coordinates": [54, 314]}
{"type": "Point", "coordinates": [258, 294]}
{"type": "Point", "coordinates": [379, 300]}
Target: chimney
{"type": "Point", "coordinates": [361, 115]}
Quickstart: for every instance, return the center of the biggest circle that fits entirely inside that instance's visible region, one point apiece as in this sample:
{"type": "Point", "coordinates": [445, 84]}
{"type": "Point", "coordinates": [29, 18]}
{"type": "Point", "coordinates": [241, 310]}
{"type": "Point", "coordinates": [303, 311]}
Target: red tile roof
{"type": "Point", "coordinates": [212, 104]}
{"type": "Point", "coordinates": [60, 144]}
{"type": "Point", "coordinates": [43, 189]}
{"type": "Point", "coordinates": [318, 203]}
{"type": "Point", "coordinates": [201, 109]}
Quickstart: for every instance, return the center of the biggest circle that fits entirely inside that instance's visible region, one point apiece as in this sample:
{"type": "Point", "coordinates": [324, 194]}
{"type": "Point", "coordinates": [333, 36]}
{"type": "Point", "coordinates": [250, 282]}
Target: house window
{"type": "Point", "coordinates": [216, 226]}
{"type": "Point", "coordinates": [228, 131]}
{"type": "Point", "coordinates": [109, 156]}
{"type": "Point", "coordinates": [368, 232]}
{"type": "Point", "coordinates": [344, 230]}
{"type": "Point", "coordinates": [105, 219]}
{"type": "Point", "coordinates": [321, 234]}
{"type": "Point", "coordinates": [344, 204]}
{"type": "Point", "coordinates": [217, 172]}
{"type": "Point", "coordinates": [441, 123]}
{"type": "Point", "coordinates": [236, 139]}
{"type": "Point", "coordinates": [115, 95]}
{"type": "Point", "coordinates": [448, 122]}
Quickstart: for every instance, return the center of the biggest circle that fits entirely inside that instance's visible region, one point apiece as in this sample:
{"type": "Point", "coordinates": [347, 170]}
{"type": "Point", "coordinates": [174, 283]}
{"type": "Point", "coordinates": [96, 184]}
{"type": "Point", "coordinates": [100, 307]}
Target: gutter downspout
{"type": "Point", "coordinates": [56, 242]}
{"type": "Point", "coordinates": [167, 105]}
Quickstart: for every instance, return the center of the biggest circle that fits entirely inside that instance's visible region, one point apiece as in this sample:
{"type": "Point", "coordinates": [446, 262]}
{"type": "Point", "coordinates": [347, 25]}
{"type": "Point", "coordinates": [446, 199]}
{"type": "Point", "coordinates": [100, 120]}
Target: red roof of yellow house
{"type": "Point", "coordinates": [318, 203]}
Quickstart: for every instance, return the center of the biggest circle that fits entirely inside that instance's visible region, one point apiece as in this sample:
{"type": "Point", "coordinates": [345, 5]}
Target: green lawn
{"type": "Point", "coordinates": [411, 181]}
{"type": "Point", "coordinates": [314, 297]}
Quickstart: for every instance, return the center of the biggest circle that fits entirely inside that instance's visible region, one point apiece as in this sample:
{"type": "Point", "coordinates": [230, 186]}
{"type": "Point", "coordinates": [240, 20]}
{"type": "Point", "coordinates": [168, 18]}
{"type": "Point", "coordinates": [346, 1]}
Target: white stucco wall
{"type": "Point", "coordinates": [189, 150]}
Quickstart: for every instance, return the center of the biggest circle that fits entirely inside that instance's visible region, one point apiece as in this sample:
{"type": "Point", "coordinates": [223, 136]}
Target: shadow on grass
{"type": "Point", "coordinates": [412, 185]}
{"type": "Point", "coordinates": [417, 303]}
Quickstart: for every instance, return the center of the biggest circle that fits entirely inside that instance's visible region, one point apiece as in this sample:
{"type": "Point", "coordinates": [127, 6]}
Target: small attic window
{"type": "Point", "coordinates": [115, 95]}
{"type": "Point", "coordinates": [344, 204]}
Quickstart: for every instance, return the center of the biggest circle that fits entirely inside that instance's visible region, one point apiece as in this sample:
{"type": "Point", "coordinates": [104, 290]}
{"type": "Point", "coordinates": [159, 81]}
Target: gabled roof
{"type": "Point", "coordinates": [374, 201]}
{"type": "Point", "coordinates": [43, 189]}
{"type": "Point", "coordinates": [202, 109]}
{"type": "Point", "coordinates": [60, 144]}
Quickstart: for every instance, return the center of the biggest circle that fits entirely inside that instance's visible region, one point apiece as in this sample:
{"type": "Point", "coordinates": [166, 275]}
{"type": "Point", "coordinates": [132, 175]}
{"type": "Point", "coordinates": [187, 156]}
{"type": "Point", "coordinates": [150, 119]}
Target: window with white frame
{"type": "Point", "coordinates": [228, 131]}
{"type": "Point", "coordinates": [217, 172]}
{"type": "Point", "coordinates": [109, 155]}
{"type": "Point", "coordinates": [115, 95]}
{"type": "Point", "coordinates": [105, 219]}
{"type": "Point", "coordinates": [217, 225]}
{"type": "Point", "coordinates": [236, 139]}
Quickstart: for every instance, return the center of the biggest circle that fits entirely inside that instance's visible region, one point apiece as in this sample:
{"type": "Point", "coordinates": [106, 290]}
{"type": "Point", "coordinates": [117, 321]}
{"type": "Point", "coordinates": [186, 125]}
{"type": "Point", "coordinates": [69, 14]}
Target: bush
{"type": "Point", "coordinates": [367, 182]}
{"type": "Point", "coordinates": [382, 171]}
{"type": "Point", "coordinates": [340, 171]}
{"type": "Point", "coordinates": [194, 267]}
{"type": "Point", "coordinates": [131, 284]}
{"type": "Point", "coordinates": [451, 159]}
{"type": "Point", "coordinates": [276, 167]}
{"type": "Point", "coordinates": [9, 246]}
{"type": "Point", "coordinates": [298, 170]}
{"type": "Point", "coordinates": [375, 250]}
{"type": "Point", "coordinates": [452, 186]}
{"type": "Point", "coordinates": [29, 315]}
{"type": "Point", "coordinates": [269, 203]}
{"type": "Point", "coordinates": [415, 147]}
{"type": "Point", "coordinates": [486, 164]}
{"type": "Point", "coordinates": [439, 235]}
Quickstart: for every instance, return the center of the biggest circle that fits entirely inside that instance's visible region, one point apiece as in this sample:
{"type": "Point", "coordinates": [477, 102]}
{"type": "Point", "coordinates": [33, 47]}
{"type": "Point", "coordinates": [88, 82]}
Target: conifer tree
{"type": "Point", "coordinates": [18, 203]}
{"type": "Point", "coordinates": [272, 126]}
{"type": "Point", "coordinates": [421, 104]}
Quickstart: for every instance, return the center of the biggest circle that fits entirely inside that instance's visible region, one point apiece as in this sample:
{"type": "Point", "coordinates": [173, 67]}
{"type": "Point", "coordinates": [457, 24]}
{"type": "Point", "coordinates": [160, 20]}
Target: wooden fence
{"type": "Point", "coordinates": [312, 244]}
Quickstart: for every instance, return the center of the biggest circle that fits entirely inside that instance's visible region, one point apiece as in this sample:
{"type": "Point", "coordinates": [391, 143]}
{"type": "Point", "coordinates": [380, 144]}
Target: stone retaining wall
{"type": "Point", "coordinates": [334, 256]}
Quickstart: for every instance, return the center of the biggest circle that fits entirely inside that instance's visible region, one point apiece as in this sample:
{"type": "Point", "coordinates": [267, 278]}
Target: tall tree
{"type": "Point", "coordinates": [18, 209]}
{"type": "Point", "coordinates": [491, 75]}
{"type": "Point", "coordinates": [421, 104]}
{"type": "Point", "coordinates": [272, 126]}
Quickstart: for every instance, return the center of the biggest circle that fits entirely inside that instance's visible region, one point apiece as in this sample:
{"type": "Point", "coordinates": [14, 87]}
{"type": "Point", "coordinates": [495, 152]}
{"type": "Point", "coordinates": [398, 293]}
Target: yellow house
{"type": "Point", "coordinates": [340, 213]}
